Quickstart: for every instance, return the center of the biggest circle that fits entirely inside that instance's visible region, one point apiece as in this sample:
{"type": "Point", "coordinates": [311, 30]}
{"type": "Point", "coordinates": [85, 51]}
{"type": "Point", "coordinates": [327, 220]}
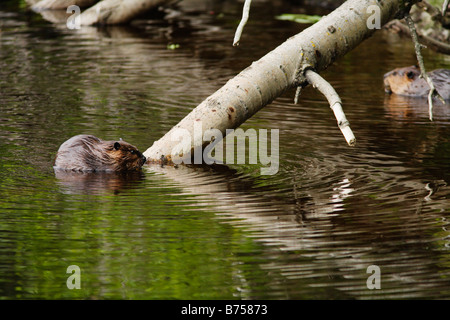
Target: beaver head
{"type": "Point", "coordinates": [408, 82]}
{"type": "Point", "coordinates": [124, 156]}
{"type": "Point", "coordinates": [88, 153]}
{"type": "Point", "coordinates": [399, 80]}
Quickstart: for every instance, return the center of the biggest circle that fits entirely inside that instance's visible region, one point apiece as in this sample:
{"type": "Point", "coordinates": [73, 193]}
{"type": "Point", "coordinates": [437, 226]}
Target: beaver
{"type": "Point", "coordinates": [407, 82]}
{"type": "Point", "coordinates": [88, 153]}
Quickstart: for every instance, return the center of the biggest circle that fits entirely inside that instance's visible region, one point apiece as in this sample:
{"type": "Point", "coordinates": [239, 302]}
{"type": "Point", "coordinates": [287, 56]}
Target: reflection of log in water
{"type": "Point", "coordinates": [264, 212]}
{"type": "Point", "coordinates": [267, 209]}
{"type": "Point", "coordinates": [330, 235]}
{"type": "Point", "coordinates": [145, 50]}
{"type": "Point", "coordinates": [96, 183]}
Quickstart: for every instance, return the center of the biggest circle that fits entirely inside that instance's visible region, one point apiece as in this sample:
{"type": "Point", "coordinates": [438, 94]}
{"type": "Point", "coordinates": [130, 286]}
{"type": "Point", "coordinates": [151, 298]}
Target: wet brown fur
{"type": "Point", "coordinates": [407, 82]}
{"type": "Point", "coordinates": [90, 154]}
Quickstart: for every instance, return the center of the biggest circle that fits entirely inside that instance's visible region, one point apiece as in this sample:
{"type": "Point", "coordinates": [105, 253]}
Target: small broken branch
{"type": "Point", "coordinates": [297, 94]}
{"type": "Point", "coordinates": [445, 7]}
{"type": "Point", "coordinates": [245, 14]}
{"type": "Point", "coordinates": [335, 104]}
{"type": "Point", "coordinates": [423, 73]}
{"type": "Point", "coordinates": [300, 70]}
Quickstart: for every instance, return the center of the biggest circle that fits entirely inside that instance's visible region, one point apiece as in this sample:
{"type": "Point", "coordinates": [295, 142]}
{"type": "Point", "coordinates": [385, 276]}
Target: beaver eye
{"type": "Point", "coordinates": [132, 151]}
{"type": "Point", "coordinates": [410, 75]}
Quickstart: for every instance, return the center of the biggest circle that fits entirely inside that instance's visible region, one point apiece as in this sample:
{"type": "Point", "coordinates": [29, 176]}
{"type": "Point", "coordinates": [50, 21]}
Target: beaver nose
{"type": "Point", "coordinates": [144, 159]}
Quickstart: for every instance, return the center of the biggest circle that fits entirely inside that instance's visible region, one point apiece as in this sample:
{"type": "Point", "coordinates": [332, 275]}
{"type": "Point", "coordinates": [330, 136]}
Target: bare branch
{"type": "Point", "coordinates": [335, 104]}
{"type": "Point", "coordinates": [297, 94]}
{"type": "Point", "coordinates": [423, 72]}
{"type": "Point", "coordinates": [245, 14]}
{"type": "Point", "coordinates": [444, 7]}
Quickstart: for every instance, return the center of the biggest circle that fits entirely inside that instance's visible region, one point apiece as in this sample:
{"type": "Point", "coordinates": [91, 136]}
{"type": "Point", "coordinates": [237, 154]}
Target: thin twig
{"type": "Point", "coordinates": [297, 94]}
{"type": "Point", "coordinates": [245, 14]}
{"type": "Point", "coordinates": [335, 103]}
{"type": "Point", "coordinates": [298, 73]}
{"type": "Point", "coordinates": [444, 7]}
{"type": "Point", "coordinates": [423, 72]}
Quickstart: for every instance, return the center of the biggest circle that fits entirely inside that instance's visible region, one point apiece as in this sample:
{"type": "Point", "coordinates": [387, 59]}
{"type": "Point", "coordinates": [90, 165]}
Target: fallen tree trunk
{"type": "Point", "coordinates": [105, 12]}
{"type": "Point", "coordinates": [58, 4]}
{"type": "Point", "coordinates": [117, 11]}
{"type": "Point", "coordinates": [241, 97]}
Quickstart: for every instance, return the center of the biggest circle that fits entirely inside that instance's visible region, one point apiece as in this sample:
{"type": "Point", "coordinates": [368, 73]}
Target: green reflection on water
{"type": "Point", "coordinates": [136, 244]}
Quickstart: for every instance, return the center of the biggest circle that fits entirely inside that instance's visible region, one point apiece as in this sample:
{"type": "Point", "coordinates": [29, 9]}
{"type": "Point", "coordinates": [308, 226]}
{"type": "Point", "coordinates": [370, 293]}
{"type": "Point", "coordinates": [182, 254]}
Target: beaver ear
{"type": "Point", "coordinates": [116, 145]}
{"type": "Point", "coordinates": [410, 75]}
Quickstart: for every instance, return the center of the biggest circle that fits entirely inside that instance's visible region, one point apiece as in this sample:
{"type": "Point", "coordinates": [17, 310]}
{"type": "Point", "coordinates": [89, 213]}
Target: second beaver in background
{"type": "Point", "coordinates": [407, 82]}
{"type": "Point", "coordinates": [88, 153]}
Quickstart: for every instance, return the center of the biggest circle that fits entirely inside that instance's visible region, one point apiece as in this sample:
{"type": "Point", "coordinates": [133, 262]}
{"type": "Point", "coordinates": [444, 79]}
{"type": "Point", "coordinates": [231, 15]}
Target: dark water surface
{"type": "Point", "coordinates": [308, 232]}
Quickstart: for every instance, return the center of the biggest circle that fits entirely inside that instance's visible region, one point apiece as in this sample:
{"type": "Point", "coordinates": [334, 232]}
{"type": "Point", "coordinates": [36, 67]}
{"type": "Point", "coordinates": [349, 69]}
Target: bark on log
{"type": "Point", "coordinates": [241, 97]}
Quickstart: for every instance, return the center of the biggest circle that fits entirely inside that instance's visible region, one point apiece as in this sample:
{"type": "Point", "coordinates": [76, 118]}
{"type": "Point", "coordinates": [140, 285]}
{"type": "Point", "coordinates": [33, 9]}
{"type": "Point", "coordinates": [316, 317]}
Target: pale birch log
{"type": "Point", "coordinates": [259, 84]}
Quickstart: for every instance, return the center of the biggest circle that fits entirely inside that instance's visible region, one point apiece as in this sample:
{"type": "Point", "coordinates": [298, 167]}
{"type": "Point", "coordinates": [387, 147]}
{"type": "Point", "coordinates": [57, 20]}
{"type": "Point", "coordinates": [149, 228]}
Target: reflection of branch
{"type": "Point", "coordinates": [245, 14]}
{"type": "Point", "coordinates": [423, 72]}
{"type": "Point", "coordinates": [335, 103]}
